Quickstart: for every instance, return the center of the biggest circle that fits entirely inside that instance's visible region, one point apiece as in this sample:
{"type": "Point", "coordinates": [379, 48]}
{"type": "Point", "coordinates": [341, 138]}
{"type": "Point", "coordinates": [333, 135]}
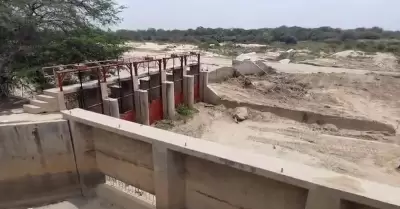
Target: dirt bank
{"type": "Point", "coordinates": [368, 155]}
{"type": "Point", "coordinates": [367, 101]}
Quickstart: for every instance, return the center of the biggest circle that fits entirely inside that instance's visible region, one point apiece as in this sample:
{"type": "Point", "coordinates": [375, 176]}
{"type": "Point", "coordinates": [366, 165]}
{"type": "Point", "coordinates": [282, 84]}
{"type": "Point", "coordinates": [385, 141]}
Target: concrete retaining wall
{"type": "Point", "coordinates": [184, 172]}
{"type": "Point", "coordinates": [221, 74]}
{"type": "Point", "coordinates": [247, 68]}
{"type": "Point", "coordinates": [312, 117]}
{"type": "Point", "coordinates": [37, 163]}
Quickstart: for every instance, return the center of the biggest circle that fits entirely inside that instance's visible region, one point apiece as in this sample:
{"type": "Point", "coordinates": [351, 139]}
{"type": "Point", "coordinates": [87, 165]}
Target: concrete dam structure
{"type": "Point", "coordinates": [108, 137]}
{"type": "Point", "coordinates": [48, 162]}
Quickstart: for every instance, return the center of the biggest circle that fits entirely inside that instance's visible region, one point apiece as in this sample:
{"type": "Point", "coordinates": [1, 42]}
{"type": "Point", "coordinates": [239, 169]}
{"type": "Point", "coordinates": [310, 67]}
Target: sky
{"type": "Point", "coordinates": [184, 14]}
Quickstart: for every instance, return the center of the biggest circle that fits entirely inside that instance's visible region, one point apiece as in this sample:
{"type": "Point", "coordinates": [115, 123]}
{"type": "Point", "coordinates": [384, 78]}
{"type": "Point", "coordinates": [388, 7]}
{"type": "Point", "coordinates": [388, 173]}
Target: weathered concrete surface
{"type": "Point", "coordinates": [210, 96]}
{"type": "Point", "coordinates": [247, 68]}
{"type": "Point", "coordinates": [124, 159]}
{"type": "Point", "coordinates": [120, 199]}
{"type": "Point", "coordinates": [188, 91]}
{"type": "Point", "coordinates": [85, 157]}
{"type": "Point", "coordinates": [203, 84]}
{"type": "Point", "coordinates": [37, 163]}
{"type": "Point", "coordinates": [111, 107]}
{"type": "Point", "coordinates": [212, 185]}
{"type": "Point", "coordinates": [168, 99]}
{"type": "Point", "coordinates": [169, 178]}
{"type": "Point", "coordinates": [217, 176]}
{"type": "Point", "coordinates": [221, 74]}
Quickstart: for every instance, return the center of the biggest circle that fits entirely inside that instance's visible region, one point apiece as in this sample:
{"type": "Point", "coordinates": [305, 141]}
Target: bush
{"type": "Point", "coordinates": [290, 40]}
{"type": "Point", "coordinates": [184, 110]}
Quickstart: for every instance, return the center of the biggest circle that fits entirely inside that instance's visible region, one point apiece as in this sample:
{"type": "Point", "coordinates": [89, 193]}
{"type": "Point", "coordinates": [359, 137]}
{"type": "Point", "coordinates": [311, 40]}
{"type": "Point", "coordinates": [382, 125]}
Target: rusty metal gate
{"type": "Point", "coordinates": [84, 89]}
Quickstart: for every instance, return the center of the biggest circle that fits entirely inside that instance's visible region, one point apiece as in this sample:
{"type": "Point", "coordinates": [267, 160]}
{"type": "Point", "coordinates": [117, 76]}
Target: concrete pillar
{"type": "Point", "coordinates": [135, 82]}
{"type": "Point", "coordinates": [61, 101]}
{"type": "Point", "coordinates": [104, 90]}
{"type": "Point", "coordinates": [111, 107]}
{"type": "Point", "coordinates": [322, 198]}
{"type": "Point", "coordinates": [168, 99]}
{"type": "Point", "coordinates": [137, 106]}
{"type": "Point", "coordinates": [185, 70]}
{"type": "Point", "coordinates": [163, 75]}
{"type": "Point", "coordinates": [144, 107]}
{"type": "Point", "coordinates": [203, 84]}
{"type": "Point", "coordinates": [168, 178]}
{"type": "Point", "coordinates": [188, 90]}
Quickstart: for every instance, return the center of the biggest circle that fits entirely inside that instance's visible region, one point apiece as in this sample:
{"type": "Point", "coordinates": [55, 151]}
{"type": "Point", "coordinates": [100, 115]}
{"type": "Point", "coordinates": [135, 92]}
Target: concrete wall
{"type": "Point", "coordinates": [309, 117]}
{"type": "Point", "coordinates": [221, 74]}
{"type": "Point", "coordinates": [37, 163]}
{"type": "Point", "coordinates": [184, 172]}
{"type": "Point", "coordinates": [247, 68]}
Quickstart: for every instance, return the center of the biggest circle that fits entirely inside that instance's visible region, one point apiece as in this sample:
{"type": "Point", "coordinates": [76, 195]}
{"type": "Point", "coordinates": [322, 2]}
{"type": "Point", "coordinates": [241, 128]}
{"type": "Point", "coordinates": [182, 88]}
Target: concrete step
{"type": "Point", "coordinates": [59, 103]}
{"type": "Point", "coordinates": [33, 109]}
{"type": "Point", "coordinates": [46, 98]}
{"type": "Point", "coordinates": [39, 103]}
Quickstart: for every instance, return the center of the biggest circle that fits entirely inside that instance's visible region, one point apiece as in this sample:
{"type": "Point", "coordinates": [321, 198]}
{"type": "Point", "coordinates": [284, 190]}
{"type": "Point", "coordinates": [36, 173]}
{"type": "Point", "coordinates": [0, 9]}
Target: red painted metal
{"type": "Point", "coordinates": [129, 116]}
{"type": "Point", "coordinates": [178, 98]}
{"type": "Point", "coordinates": [156, 110]}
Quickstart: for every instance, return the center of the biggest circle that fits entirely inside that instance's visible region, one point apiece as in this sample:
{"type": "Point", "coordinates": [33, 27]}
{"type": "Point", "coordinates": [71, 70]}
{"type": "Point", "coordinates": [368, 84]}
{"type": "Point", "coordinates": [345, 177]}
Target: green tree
{"type": "Point", "coordinates": [36, 33]}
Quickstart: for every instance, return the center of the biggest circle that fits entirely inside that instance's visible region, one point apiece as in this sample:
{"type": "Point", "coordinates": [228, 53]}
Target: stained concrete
{"type": "Point", "coordinates": [38, 163]}
{"type": "Point", "coordinates": [217, 176]}
{"type": "Point", "coordinates": [221, 74]}
{"type": "Point", "coordinates": [211, 185]}
{"type": "Point", "coordinates": [85, 157]}
{"type": "Point", "coordinates": [124, 159]}
{"type": "Point", "coordinates": [247, 68]}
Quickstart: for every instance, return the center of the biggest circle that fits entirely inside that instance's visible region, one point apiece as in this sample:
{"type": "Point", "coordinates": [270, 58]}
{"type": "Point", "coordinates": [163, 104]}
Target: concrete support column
{"type": "Point", "coordinates": [137, 106]}
{"type": "Point", "coordinates": [61, 101]}
{"type": "Point", "coordinates": [111, 107]}
{"type": "Point", "coordinates": [104, 91]}
{"type": "Point", "coordinates": [203, 84]}
{"type": "Point", "coordinates": [168, 99]}
{"type": "Point", "coordinates": [322, 198]}
{"type": "Point", "coordinates": [185, 70]}
{"type": "Point", "coordinates": [135, 82]}
{"type": "Point", "coordinates": [163, 75]}
{"type": "Point", "coordinates": [168, 178]}
{"type": "Point", "coordinates": [142, 107]}
{"type": "Point", "coordinates": [188, 90]}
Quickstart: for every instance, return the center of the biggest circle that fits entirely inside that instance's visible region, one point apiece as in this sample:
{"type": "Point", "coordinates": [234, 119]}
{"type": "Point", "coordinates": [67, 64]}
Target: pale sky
{"type": "Point", "coordinates": [183, 14]}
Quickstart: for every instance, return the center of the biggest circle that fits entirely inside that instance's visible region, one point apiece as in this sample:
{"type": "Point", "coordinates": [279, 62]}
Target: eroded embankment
{"type": "Point", "coordinates": [312, 117]}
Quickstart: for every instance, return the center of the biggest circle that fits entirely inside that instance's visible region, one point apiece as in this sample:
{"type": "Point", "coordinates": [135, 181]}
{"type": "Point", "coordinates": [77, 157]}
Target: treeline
{"type": "Point", "coordinates": [259, 36]}
{"type": "Point", "coordinates": [40, 33]}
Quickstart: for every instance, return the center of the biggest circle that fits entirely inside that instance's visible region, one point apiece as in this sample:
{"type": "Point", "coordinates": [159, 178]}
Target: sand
{"type": "Point", "coordinates": [311, 144]}
{"type": "Point", "coordinates": [346, 95]}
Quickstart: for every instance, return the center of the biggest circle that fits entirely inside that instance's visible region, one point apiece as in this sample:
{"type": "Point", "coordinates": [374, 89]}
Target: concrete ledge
{"type": "Point", "coordinates": [345, 188]}
{"type": "Point", "coordinates": [120, 198]}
